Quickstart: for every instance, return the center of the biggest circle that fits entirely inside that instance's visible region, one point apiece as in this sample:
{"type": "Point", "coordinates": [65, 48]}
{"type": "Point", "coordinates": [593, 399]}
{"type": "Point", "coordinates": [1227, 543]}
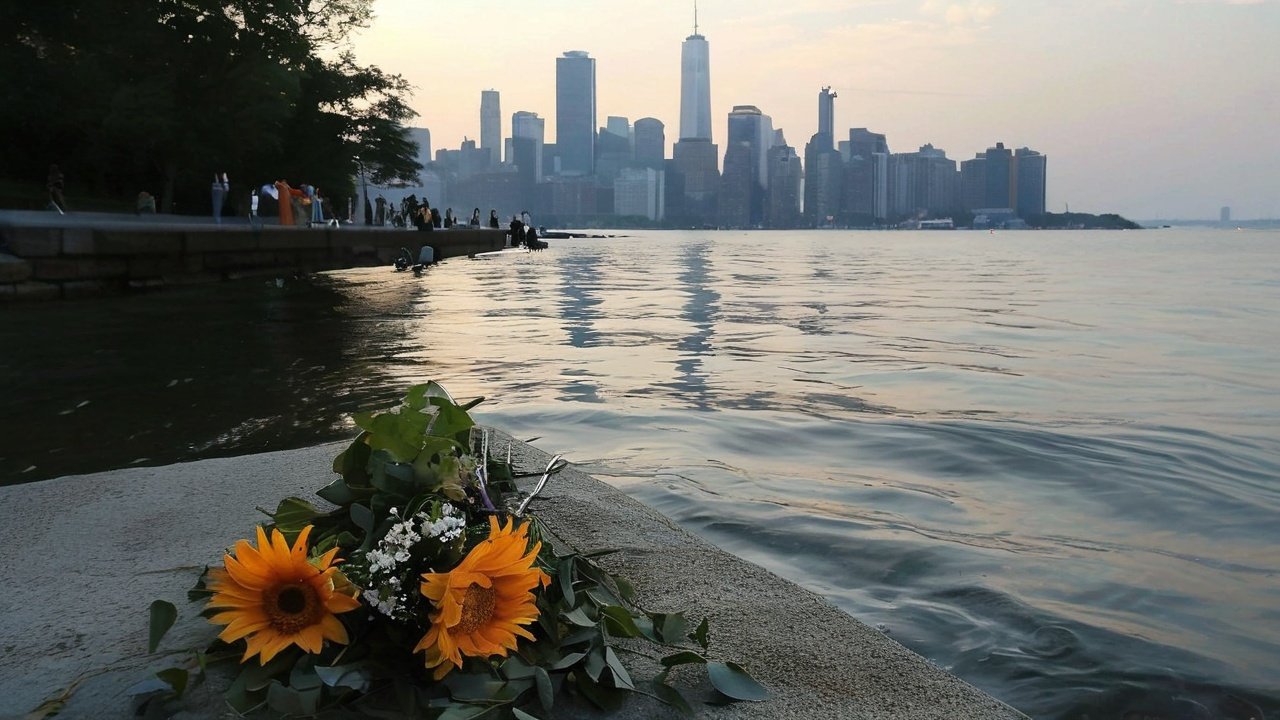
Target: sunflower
{"type": "Point", "coordinates": [482, 603]}
{"type": "Point", "coordinates": [273, 596]}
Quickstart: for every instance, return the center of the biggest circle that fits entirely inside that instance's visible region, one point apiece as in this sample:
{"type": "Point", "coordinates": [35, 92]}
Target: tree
{"type": "Point", "coordinates": [159, 95]}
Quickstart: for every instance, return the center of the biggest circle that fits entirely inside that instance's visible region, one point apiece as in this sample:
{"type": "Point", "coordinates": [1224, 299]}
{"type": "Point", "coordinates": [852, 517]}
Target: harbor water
{"type": "Point", "coordinates": [1047, 461]}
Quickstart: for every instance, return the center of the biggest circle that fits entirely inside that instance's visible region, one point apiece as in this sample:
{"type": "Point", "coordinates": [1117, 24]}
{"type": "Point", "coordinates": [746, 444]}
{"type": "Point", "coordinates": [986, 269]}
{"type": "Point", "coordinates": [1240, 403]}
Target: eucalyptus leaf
{"type": "Point", "coordinates": [621, 678]}
{"type": "Point", "coordinates": [568, 661]}
{"type": "Point", "coordinates": [546, 693]}
{"type": "Point", "coordinates": [672, 697]}
{"type": "Point", "coordinates": [619, 622]}
{"type": "Point", "coordinates": [163, 615]}
{"type": "Point", "coordinates": [353, 676]}
{"type": "Point", "coordinates": [673, 627]}
{"type": "Point", "coordinates": [293, 514]}
{"type": "Point", "coordinates": [176, 679]}
{"type": "Point", "coordinates": [150, 685]}
{"type": "Point", "coordinates": [685, 657]}
{"type": "Point", "coordinates": [288, 701]}
{"type": "Point", "coordinates": [463, 712]}
{"type": "Point", "coordinates": [522, 715]}
{"type": "Point", "coordinates": [700, 635]}
{"type": "Point", "coordinates": [730, 679]}
{"type": "Point", "coordinates": [595, 663]}
{"type": "Point", "coordinates": [564, 579]}
{"type": "Point", "coordinates": [362, 517]}
{"type": "Point", "coordinates": [577, 617]}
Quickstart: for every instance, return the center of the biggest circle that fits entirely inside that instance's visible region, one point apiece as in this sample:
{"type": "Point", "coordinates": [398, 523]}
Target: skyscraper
{"type": "Point", "coordinates": [750, 126]}
{"type": "Point", "coordinates": [491, 125]}
{"type": "Point", "coordinates": [527, 134]}
{"type": "Point", "coordinates": [827, 112]}
{"type": "Point", "coordinates": [695, 85]}
{"type": "Point", "coordinates": [576, 112]}
{"type": "Point", "coordinates": [651, 142]}
{"type": "Point", "coordinates": [1031, 178]}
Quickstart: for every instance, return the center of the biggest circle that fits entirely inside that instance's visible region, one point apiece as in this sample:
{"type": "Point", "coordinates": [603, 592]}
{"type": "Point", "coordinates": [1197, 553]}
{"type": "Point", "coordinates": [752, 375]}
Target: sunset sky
{"type": "Point", "coordinates": [1150, 108]}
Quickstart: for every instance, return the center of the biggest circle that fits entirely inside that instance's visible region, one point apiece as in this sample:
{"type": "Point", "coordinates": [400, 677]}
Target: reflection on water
{"type": "Point", "coordinates": [1046, 461]}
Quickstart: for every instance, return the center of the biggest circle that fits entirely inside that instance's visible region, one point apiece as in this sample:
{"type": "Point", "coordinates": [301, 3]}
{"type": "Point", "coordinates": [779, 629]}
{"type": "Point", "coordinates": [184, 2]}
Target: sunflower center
{"type": "Point", "coordinates": [477, 608]}
{"type": "Point", "coordinates": [290, 608]}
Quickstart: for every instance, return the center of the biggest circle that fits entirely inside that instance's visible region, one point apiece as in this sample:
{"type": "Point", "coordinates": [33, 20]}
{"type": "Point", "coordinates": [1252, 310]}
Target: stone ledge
{"type": "Point", "coordinates": [87, 554]}
{"type": "Point", "coordinates": [13, 270]}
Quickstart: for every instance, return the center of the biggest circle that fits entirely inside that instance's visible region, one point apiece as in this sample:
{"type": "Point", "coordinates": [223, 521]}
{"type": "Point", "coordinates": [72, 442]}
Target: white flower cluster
{"type": "Point", "coordinates": [385, 592]}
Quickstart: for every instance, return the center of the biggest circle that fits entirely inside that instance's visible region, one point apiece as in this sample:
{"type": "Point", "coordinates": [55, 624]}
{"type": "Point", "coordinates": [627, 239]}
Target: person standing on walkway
{"type": "Point", "coordinates": [475, 218]}
{"type": "Point", "coordinates": [55, 186]}
{"type": "Point", "coordinates": [219, 193]}
{"type": "Point", "coordinates": [493, 219]}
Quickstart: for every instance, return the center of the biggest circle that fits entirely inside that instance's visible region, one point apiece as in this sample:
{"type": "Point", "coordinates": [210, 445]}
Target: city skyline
{"type": "Point", "coordinates": [1151, 108]}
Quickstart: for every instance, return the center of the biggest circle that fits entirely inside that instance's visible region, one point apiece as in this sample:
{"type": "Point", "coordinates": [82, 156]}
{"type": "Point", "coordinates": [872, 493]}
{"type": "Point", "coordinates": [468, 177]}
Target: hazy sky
{"type": "Point", "coordinates": [1150, 108]}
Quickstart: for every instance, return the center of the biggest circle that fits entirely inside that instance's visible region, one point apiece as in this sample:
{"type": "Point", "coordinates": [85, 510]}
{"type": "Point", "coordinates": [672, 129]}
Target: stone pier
{"type": "Point", "coordinates": [48, 256]}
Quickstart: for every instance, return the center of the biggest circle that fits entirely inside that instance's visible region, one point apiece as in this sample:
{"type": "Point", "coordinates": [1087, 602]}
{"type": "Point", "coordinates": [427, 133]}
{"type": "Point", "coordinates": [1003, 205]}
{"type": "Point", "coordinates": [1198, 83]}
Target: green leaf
{"type": "Point", "coordinates": [595, 663]}
{"type": "Point", "coordinates": [150, 685]}
{"type": "Point", "coordinates": [362, 517]}
{"type": "Point", "coordinates": [451, 421]}
{"type": "Point", "coordinates": [463, 712]}
{"type": "Point", "coordinates": [672, 697]}
{"type": "Point", "coordinates": [700, 635]}
{"type": "Point", "coordinates": [605, 698]}
{"type": "Point", "coordinates": [522, 715]}
{"type": "Point", "coordinates": [621, 678]}
{"type": "Point", "coordinates": [730, 679]}
{"type": "Point", "coordinates": [578, 617]}
{"type": "Point", "coordinates": [564, 578]}
{"type": "Point", "coordinates": [619, 622]}
{"type": "Point", "coordinates": [353, 676]}
{"type": "Point", "coordinates": [626, 589]}
{"type": "Point", "coordinates": [339, 493]}
{"type": "Point", "coordinates": [546, 693]}
{"type": "Point", "coordinates": [288, 701]}
{"type": "Point", "coordinates": [672, 627]}
{"type": "Point", "coordinates": [684, 657]}
{"type": "Point", "coordinates": [568, 661]}
{"type": "Point", "coordinates": [293, 514]}
{"type": "Point", "coordinates": [352, 464]}
{"type": "Point", "coordinates": [176, 679]}
{"type": "Point", "coordinates": [163, 615]}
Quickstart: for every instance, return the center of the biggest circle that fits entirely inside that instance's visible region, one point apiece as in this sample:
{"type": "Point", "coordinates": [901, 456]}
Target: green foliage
{"type": "Point", "coordinates": [159, 96]}
{"type": "Point", "coordinates": [425, 459]}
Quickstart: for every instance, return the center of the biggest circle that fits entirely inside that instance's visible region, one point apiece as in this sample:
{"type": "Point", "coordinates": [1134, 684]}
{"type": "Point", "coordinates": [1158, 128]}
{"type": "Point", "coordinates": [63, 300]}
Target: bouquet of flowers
{"type": "Point", "coordinates": [427, 590]}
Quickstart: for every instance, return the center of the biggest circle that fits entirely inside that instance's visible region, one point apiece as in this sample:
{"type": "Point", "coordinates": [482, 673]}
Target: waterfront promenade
{"type": "Point", "coordinates": [44, 255]}
{"type": "Point", "coordinates": [87, 554]}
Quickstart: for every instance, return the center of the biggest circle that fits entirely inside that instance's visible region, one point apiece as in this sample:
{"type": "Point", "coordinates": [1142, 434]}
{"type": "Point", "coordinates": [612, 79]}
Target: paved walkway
{"type": "Point", "coordinates": [84, 556]}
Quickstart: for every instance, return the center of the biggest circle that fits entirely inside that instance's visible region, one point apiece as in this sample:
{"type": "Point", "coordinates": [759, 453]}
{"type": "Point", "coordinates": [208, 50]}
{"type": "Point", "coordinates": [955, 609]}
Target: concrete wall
{"type": "Point", "coordinates": [84, 556]}
{"type": "Point", "coordinates": [42, 258]}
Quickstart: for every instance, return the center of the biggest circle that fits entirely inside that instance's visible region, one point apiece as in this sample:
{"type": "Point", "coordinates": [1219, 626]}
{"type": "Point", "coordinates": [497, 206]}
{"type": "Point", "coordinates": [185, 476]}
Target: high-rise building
{"type": "Point", "coordinates": [748, 125]}
{"type": "Point", "coordinates": [1032, 182]}
{"type": "Point", "coordinates": [576, 112]}
{"type": "Point", "coordinates": [922, 183]}
{"type": "Point", "coordinates": [824, 181]}
{"type": "Point", "coordinates": [639, 192]}
{"type": "Point", "coordinates": [1224, 214]}
{"type": "Point", "coordinates": [782, 209]}
{"type": "Point", "coordinates": [613, 150]}
{"type": "Point", "coordinates": [531, 129]}
{"type": "Point", "coordinates": [827, 112]}
{"type": "Point", "coordinates": [651, 142]}
{"type": "Point", "coordinates": [1002, 179]}
{"type": "Point", "coordinates": [866, 190]}
{"type": "Point", "coordinates": [738, 187]}
{"type": "Point", "coordinates": [697, 163]}
{"type": "Point", "coordinates": [491, 125]}
{"type": "Point", "coordinates": [695, 85]}
{"type": "Point", "coordinates": [973, 182]}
